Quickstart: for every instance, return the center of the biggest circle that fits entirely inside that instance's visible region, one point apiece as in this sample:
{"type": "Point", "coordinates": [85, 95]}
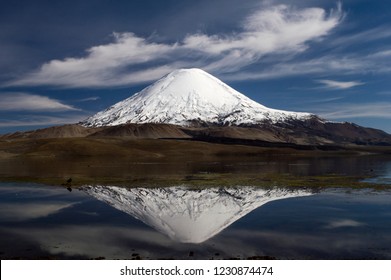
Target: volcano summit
{"type": "Point", "coordinates": [189, 96]}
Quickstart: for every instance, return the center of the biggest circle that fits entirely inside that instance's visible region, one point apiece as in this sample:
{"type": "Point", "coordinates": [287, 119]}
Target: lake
{"type": "Point", "coordinates": [111, 222]}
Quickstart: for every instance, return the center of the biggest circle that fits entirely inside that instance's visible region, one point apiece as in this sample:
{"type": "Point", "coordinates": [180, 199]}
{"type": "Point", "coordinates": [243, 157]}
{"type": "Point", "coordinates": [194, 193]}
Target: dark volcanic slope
{"type": "Point", "coordinates": [63, 131]}
{"type": "Point", "coordinates": [316, 131]}
{"type": "Point", "coordinates": [149, 130]}
{"type": "Point", "coordinates": [312, 132]}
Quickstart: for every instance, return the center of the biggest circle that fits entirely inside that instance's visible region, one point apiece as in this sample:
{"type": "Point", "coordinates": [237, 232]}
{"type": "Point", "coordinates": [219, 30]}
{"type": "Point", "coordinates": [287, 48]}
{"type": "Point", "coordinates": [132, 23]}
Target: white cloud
{"type": "Point", "coordinates": [28, 211]}
{"type": "Point", "coordinates": [18, 101]}
{"type": "Point", "coordinates": [353, 110]}
{"type": "Point", "coordinates": [76, 240]}
{"type": "Point", "coordinates": [273, 30]}
{"type": "Point", "coordinates": [343, 223]}
{"type": "Point", "coordinates": [340, 85]}
{"type": "Point", "coordinates": [38, 120]}
{"type": "Point", "coordinates": [373, 34]}
{"type": "Point", "coordinates": [336, 64]}
{"type": "Point", "coordinates": [382, 54]}
{"type": "Point", "coordinates": [321, 65]}
{"type": "Point", "coordinates": [277, 29]}
{"type": "Point", "coordinates": [87, 99]}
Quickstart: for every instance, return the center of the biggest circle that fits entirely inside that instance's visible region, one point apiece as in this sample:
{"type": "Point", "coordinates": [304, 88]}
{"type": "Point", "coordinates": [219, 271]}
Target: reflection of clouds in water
{"type": "Point", "coordinates": [38, 191]}
{"type": "Point", "coordinates": [384, 176]}
{"type": "Point", "coordinates": [96, 241]}
{"type": "Point", "coordinates": [27, 211]}
{"type": "Point", "coordinates": [314, 237]}
{"type": "Point", "coordinates": [114, 242]}
{"type": "Point", "coordinates": [29, 201]}
{"type": "Point", "coordinates": [357, 196]}
{"type": "Point", "coordinates": [343, 223]}
{"type": "Point", "coordinates": [294, 245]}
{"type": "Point", "coordinates": [387, 172]}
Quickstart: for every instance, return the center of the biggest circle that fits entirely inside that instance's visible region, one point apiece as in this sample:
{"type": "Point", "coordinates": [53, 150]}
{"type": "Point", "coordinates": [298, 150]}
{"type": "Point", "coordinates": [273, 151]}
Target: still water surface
{"type": "Point", "coordinates": [110, 222]}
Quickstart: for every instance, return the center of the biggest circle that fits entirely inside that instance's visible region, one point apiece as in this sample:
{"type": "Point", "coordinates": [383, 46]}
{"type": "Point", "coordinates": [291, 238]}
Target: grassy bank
{"type": "Point", "coordinates": [153, 162]}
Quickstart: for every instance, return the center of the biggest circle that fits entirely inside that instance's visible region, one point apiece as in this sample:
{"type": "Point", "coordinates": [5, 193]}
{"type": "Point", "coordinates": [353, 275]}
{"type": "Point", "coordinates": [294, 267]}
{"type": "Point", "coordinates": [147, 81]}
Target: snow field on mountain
{"type": "Point", "coordinates": [189, 95]}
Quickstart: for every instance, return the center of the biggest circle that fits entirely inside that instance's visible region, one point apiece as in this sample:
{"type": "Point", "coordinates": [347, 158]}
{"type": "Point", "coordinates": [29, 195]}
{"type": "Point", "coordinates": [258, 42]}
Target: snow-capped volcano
{"type": "Point", "coordinates": [185, 215]}
{"type": "Point", "coordinates": [186, 96]}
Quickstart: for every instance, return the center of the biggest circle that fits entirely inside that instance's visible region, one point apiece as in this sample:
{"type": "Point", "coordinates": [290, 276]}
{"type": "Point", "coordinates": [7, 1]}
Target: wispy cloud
{"type": "Point", "coordinates": [322, 100]}
{"type": "Point", "coordinates": [354, 110]}
{"type": "Point", "coordinates": [385, 92]}
{"type": "Point", "coordinates": [18, 101]}
{"type": "Point", "coordinates": [279, 29]}
{"type": "Point", "coordinates": [41, 120]}
{"type": "Point", "coordinates": [28, 211]}
{"type": "Point", "coordinates": [341, 64]}
{"type": "Point", "coordinates": [344, 223]}
{"type": "Point", "coordinates": [320, 65]}
{"type": "Point", "coordinates": [372, 34]}
{"type": "Point", "coordinates": [93, 98]}
{"type": "Point", "coordinates": [382, 54]}
{"type": "Point", "coordinates": [340, 85]}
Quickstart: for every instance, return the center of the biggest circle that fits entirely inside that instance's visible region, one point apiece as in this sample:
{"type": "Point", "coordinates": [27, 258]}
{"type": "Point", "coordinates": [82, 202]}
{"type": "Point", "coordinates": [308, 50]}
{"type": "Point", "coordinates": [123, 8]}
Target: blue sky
{"type": "Point", "coordinates": [61, 61]}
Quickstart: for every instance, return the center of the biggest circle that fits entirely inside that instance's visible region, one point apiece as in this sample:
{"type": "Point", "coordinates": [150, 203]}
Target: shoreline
{"type": "Point", "coordinates": [150, 162]}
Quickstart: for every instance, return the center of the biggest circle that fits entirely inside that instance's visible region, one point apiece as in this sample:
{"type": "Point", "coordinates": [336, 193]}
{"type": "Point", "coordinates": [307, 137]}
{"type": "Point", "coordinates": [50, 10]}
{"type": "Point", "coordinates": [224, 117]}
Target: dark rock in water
{"type": "Point", "coordinates": [261, 258]}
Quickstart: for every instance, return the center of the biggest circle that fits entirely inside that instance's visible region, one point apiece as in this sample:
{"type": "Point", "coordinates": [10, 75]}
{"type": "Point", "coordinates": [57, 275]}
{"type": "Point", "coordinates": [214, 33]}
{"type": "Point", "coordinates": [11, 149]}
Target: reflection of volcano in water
{"type": "Point", "coordinates": [188, 215]}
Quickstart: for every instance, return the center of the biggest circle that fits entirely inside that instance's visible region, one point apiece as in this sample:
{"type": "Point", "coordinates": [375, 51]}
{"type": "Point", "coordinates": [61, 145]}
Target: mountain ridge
{"type": "Point", "coordinates": [299, 134]}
